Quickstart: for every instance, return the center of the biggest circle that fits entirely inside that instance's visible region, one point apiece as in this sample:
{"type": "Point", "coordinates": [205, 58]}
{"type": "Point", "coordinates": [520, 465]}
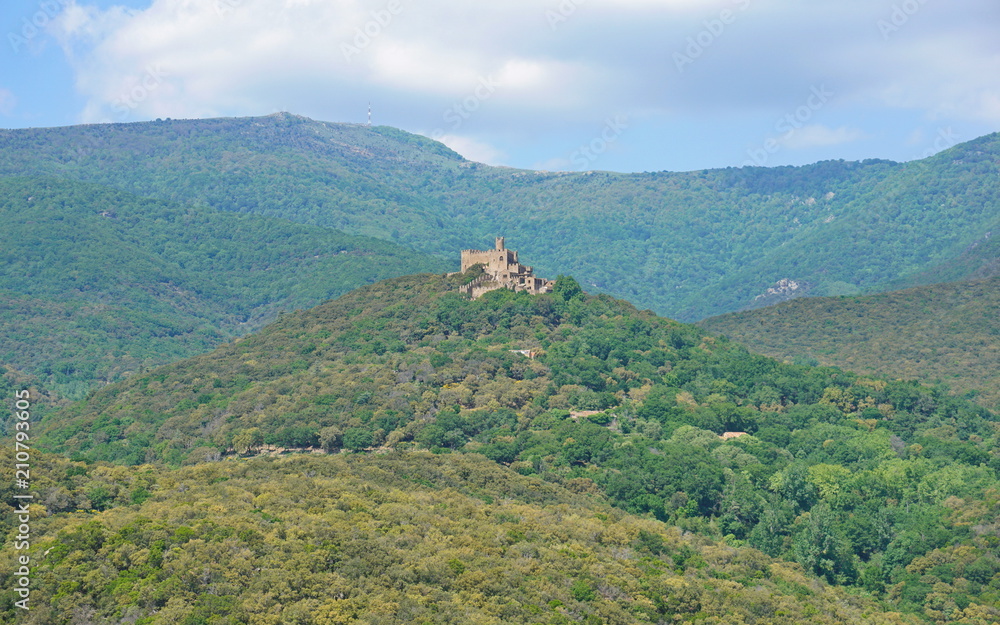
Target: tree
{"type": "Point", "coordinates": [822, 549]}
{"type": "Point", "coordinates": [330, 438]}
{"type": "Point", "coordinates": [248, 440]}
{"type": "Point", "coordinates": [357, 439]}
{"type": "Point", "coordinates": [566, 288]}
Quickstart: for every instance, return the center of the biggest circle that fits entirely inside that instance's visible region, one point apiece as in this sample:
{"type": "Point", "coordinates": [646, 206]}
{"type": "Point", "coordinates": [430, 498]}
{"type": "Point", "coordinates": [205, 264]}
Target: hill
{"type": "Point", "coordinates": [885, 487]}
{"type": "Point", "coordinates": [399, 538]}
{"type": "Point", "coordinates": [98, 283]}
{"type": "Point", "coordinates": [947, 333]}
{"type": "Point", "coordinates": [688, 245]}
{"type": "Point", "coordinates": [978, 261]}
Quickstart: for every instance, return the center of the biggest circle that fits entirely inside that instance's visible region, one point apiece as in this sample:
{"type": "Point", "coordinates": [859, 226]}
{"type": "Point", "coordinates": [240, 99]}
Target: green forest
{"type": "Point", "coordinates": [946, 333]}
{"type": "Point", "coordinates": [398, 538]}
{"type": "Point", "coordinates": [688, 245]}
{"type": "Point", "coordinates": [250, 406]}
{"type": "Point", "coordinates": [886, 490]}
{"type": "Point", "coordinates": [129, 246]}
{"type": "Point", "coordinates": [98, 284]}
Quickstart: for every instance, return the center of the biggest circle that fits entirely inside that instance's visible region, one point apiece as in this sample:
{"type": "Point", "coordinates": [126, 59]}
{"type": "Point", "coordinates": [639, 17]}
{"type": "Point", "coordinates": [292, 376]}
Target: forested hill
{"type": "Point", "coordinates": [688, 245]}
{"type": "Point", "coordinates": [946, 333]}
{"type": "Point", "coordinates": [391, 540]}
{"type": "Point", "coordinates": [979, 261]}
{"type": "Point", "coordinates": [889, 488]}
{"type": "Point", "coordinates": [99, 283]}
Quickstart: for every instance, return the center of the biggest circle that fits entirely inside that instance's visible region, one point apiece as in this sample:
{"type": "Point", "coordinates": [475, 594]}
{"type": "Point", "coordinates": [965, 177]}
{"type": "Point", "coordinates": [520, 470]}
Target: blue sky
{"type": "Point", "coordinates": [623, 85]}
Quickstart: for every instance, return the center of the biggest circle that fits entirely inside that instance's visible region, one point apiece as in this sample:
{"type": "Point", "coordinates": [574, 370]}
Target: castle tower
{"type": "Point", "coordinates": [501, 269]}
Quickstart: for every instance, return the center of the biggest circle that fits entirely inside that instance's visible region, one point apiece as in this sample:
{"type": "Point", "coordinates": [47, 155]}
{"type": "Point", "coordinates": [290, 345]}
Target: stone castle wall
{"type": "Point", "coordinates": [501, 270]}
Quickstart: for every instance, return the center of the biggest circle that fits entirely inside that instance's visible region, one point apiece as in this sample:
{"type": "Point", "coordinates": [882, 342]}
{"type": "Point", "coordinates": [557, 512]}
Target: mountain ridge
{"type": "Point", "coordinates": [689, 244]}
{"type": "Point", "coordinates": [487, 460]}
{"type": "Point", "coordinates": [100, 283]}
{"type": "Point", "coordinates": [945, 332]}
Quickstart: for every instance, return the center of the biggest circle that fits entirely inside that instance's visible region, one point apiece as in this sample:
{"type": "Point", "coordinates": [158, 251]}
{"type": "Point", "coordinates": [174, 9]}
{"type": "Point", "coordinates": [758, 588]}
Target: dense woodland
{"type": "Point", "coordinates": [687, 245]}
{"type": "Point", "coordinates": [948, 333]}
{"type": "Point", "coordinates": [390, 457]}
{"type": "Point", "coordinates": [128, 246]}
{"type": "Point", "coordinates": [888, 489]}
{"type": "Point", "coordinates": [400, 538]}
{"type": "Point", "coordinates": [98, 284]}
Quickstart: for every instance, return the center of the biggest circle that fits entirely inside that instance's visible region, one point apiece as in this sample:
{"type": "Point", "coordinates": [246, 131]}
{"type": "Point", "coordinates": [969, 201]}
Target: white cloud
{"type": "Point", "coordinates": [474, 150]}
{"type": "Point", "coordinates": [558, 163]}
{"type": "Point", "coordinates": [220, 57]}
{"type": "Point", "coordinates": [420, 67]}
{"type": "Point", "coordinates": [818, 135]}
{"type": "Point", "coordinates": [947, 74]}
{"type": "Point", "coordinates": [328, 58]}
{"type": "Point", "coordinates": [526, 74]}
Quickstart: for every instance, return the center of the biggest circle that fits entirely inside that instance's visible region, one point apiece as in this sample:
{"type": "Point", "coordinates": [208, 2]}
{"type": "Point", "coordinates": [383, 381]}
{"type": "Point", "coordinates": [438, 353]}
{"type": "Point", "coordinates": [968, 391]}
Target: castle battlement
{"type": "Point", "coordinates": [501, 270]}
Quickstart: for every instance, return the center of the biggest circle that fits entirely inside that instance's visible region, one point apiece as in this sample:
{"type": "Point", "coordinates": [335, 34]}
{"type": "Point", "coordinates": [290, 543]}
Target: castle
{"type": "Point", "coordinates": [501, 271]}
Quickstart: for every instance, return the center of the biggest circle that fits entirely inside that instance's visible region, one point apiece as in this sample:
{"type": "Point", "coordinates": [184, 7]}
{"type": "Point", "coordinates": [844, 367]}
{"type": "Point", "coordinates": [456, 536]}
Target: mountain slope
{"type": "Point", "coordinates": [402, 538]}
{"type": "Point", "coordinates": [99, 283]}
{"type": "Point", "coordinates": [943, 332]}
{"type": "Point", "coordinates": [980, 260]}
{"type": "Point", "coordinates": [859, 480]}
{"type": "Point", "coordinates": [688, 245]}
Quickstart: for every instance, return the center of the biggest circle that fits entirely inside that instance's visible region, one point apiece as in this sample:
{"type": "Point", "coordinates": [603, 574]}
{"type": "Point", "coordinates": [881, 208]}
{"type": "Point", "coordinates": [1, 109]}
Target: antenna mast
{"type": "Point", "coordinates": [369, 113]}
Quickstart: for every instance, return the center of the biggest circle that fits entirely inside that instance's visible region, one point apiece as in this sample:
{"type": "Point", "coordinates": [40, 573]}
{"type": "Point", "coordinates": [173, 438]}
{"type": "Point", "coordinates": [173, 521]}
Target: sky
{"type": "Point", "coordinates": [559, 85]}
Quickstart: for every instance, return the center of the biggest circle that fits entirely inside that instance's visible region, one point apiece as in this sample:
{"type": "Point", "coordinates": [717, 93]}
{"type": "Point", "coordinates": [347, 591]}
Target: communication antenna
{"type": "Point", "coordinates": [369, 113]}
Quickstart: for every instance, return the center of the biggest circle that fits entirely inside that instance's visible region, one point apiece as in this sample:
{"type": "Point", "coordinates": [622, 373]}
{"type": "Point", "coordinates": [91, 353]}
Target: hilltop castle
{"type": "Point", "coordinates": [501, 270]}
